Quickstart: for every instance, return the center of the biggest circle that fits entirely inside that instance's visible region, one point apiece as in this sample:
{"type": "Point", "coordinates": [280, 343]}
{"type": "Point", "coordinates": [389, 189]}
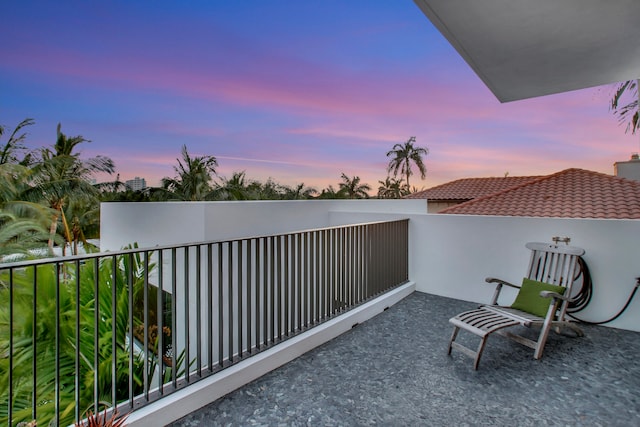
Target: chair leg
{"type": "Point", "coordinates": [542, 340]}
{"type": "Point", "coordinates": [453, 338]}
{"type": "Point", "coordinates": [476, 361]}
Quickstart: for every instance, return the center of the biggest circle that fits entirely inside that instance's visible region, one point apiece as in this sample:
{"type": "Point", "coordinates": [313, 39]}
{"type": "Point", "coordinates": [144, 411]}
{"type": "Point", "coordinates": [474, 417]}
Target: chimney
{"type": "Point", "coordinates": [629, 169]}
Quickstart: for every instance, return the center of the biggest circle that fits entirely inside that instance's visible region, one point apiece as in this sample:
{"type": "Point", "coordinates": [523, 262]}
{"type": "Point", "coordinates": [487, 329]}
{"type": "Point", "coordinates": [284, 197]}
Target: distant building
{"type": "Point", "coordinates": [136, 184]}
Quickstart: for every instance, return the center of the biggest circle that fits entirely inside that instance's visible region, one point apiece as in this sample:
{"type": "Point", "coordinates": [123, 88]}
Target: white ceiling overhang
{"type": "Point", "coordinates": [527, 48]}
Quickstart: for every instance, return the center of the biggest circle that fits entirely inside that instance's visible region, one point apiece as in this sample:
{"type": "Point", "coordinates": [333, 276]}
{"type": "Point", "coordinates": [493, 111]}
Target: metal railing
{"type": "Point", "coordinates": [122, 329]}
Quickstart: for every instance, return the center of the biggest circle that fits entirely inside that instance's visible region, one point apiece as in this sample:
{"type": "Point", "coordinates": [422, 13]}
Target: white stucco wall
{"type": "Point", "coordinates": [163, 223]}
{"type": "Point", "coordinates": [450, 255]}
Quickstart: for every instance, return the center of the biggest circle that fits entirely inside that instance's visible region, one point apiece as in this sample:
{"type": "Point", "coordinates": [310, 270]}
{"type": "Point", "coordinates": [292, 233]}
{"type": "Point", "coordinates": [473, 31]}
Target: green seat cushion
{"type": "Point", "coordinates": [529, 298]}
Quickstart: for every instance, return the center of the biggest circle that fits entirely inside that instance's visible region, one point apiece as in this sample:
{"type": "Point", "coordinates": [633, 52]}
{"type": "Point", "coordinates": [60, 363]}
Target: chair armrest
{"type": "Point", "coordinates": [499, 284]}
{"type": "Point", "coordinates": [551, 294]}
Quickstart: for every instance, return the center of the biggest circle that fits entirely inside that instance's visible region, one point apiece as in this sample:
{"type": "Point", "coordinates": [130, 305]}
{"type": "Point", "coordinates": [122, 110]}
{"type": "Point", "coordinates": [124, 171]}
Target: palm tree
{"type": "Point", "coordinates": [331, 193]}
{"type": "Point", "coordinates": [353, 188]}
{"type": "Point", "coordinates": [629, 111]}
{"type": "Point", "coordinates": [235, 188]}
{"type": "Point", "coordinates": [60, 176]}
{"type": "Point", "coordinates": [299, 192]}
{"type": "Point", "coordinates": [10, 150]}
{"type": "Point", "coordinates": [403, 156]}
{"type": "Point", "coordinates": [193, 177]}
{"type": "Point", "coordinates": [19, 235]}
{"type": "Point", "coordinates": [23, 224]}
{"type": "Point", "coordinates": [270, 190]}
{"type": "Point", "coordinates": [391, 188]}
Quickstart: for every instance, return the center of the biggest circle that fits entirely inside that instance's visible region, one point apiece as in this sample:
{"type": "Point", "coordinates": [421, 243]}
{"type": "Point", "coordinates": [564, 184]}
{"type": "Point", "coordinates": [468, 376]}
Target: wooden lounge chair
{"type": "Point", "coordinates": [541, 302]}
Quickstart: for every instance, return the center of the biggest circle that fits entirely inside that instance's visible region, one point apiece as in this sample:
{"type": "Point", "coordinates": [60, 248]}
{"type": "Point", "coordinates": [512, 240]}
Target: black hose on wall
{"type": "Point", "coordinates": [581, 299]}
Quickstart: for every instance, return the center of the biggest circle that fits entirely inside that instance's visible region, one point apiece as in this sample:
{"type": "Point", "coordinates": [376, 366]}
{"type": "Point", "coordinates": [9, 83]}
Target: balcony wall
{"type": "Point", "coordinates": [450, 255]}
{"type": "Point", "coordinates": [150, 224]}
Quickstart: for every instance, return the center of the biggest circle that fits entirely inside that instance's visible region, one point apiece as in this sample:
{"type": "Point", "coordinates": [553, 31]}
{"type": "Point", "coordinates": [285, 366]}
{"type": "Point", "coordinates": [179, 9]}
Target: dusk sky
{"type": "Point", "coordinates": [299, 91]}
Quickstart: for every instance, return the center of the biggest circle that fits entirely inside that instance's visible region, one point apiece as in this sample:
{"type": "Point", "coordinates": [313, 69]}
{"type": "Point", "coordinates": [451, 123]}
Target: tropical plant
{"type": "Point", "coordinates": [391, 188]}
{"type": "Point", "coordinates": [60, 176]}
{"type": "Point", "coordinates": [105, 419]}
{"type": "Point", "coordinates": [624, 104]}
{"type": "Point", "coordinates": [332, 193]}
{"type": "Point", "coordinates": [22, 224]}
{"type": "Point", "coordinates": [47, 299]}
{"type": "Point", "coordinates": [299, 192]}
{"type": "Point", "coordinates": [235, 188]}
{"type": "Point", "coordinates": [402, 157]}
{"type": "Point", "coordinates": [9, 152]}
{"type": "Point", "coordinates": [193, 177]}
{"type": "Point", "coordinates": [353, 189]}
{"type": "Point", "coordinates": [19, 236]}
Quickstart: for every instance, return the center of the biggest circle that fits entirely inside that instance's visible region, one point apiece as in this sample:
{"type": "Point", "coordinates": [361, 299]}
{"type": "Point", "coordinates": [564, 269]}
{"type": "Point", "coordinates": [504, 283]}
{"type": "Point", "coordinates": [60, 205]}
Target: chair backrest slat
{"type": "Point", "coordinates": [553, 264]}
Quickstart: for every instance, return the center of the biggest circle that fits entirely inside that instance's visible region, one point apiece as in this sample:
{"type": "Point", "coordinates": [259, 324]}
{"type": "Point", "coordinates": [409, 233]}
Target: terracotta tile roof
{"type": "Point", "coordinates": [470, 188]}
{"type": "Point", "coordinates": [572, 193]}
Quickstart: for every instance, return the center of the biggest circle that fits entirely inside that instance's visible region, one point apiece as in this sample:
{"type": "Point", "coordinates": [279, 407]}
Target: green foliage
{"type": "Point", "coordinates": [352, 188]}
{"type": "Point", "coordinates": [36, 312]}
{"type": "Point", "coordinates": [19, 235]}
{"type": "Point", "coordinates": [15, 145]}
{"type": "Point", "coordinates": [392, 188]}
{"type": "Point", "coordinates": [193, 177]}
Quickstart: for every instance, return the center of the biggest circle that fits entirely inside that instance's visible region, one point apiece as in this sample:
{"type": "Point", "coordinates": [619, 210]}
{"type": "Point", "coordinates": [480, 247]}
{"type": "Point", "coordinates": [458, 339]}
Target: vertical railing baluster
{"type": "Point", "coordinates": [210, 306]}
{"type": "Point", "coordinates": [285, 285]}
{"type": "Point", "coordinates": [129, 285]}
{"type": "Point", "coordinates": [174, 318]}
{"type": "Point", "coordinates": [278, 286]}
{"type": "Point", "coordinates": [265, 287]}
{"type": "Point", "coordinates": [114, 332]}
{"type": "Point", "coordinates": [249, 266]}
{"type": "Point", "coordinates": [57, 347]}
{"type": "Point", "coordinates": [145, 322]}
{"type": "Point", "coordinates": [220, 306]}
{"type": "Point", "coordinates": [160, 320]}
{"type": "Point", "coordinates": [230, 298]}
{"type": "Point", "coordinates": [96, 334]}
{"type": "Point", "coordinates": [34, 343]}
{"type": "Point", "coordinates": [319, 266]}
{"type": "Point", "coordinates": [272, 287]}
{"type": "Point", "coordinates": [187, 315]}
{"type": "Point", "coordinates": [300, 241]}
{"type": "Point", "coordinates": [360, 281]}
{"type": "Point", "coordinates": [10, 372]}
{"type": "Point", "coordinates": [330, 282]}
{"type": "Point", "coordinates": [240, 294]}
{"type": "Point", "coordinates": [78, 374]}
{"type": "Point", "coordinates": [309, 279]}
{"type": "Point", "coordinates": [352, 263]}
{"type": "Point", "coordinates": [198, 310]}
{"type": "Point", "coordinates": [344, 269]}
{"type": "Point", "coordinates": [259, 277]}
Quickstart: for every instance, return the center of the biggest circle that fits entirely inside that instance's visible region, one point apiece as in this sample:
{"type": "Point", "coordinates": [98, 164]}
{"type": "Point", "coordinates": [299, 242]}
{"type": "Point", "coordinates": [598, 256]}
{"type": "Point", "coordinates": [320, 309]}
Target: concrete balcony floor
{"type": "Point", "coordinates": [393, 370]}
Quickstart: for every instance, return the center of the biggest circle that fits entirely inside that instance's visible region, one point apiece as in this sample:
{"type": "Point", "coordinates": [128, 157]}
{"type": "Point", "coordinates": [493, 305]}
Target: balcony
{"type": "Point", "coordinates": [332, 265]}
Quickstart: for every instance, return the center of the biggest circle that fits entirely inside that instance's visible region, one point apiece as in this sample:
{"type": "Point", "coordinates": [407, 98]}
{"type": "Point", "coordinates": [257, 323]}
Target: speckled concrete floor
{"type": "Point", "coordinates": [393, 371]}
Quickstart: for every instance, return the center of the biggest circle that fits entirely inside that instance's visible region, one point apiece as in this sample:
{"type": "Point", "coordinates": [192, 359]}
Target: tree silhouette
{"type": "Point", "coordinates": [353, 188]}
{"type": "Point", "coordinates": [193, 177]}
{"type": "Point", "coordinates": [403, 156]}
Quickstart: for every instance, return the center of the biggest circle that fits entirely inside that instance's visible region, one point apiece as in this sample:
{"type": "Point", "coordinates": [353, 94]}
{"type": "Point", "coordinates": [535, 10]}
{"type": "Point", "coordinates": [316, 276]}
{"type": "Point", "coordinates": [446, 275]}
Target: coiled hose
{"type": "Point", "coordinates": [581, 299]}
